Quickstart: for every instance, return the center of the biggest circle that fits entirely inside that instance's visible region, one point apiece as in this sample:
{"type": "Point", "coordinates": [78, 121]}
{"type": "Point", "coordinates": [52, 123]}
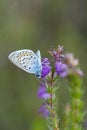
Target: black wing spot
{"type": "Point", "coordinates": [29, 68]}
{"type": "Point", "coordinates": [34, 57]}
{"type": "Point", "coordinates": [23, 59]}
{"type": "Point", "coordinates": [33, 63]}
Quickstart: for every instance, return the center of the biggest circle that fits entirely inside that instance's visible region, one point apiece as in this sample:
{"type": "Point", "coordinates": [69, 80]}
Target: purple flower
{"type": "Point", "coordinates": [45, 67]}
{"type": "Point", "coordinates": [44, 110]}
{"type": "Point", "coordinates": [42, 92]}
{"type": "Point", "coordinates": [85, 124]}
{"type": "Point", "coordinates": [70, 60]}
{"type": "Point", "coordinates": [57, 54]}
{"type": "Point", "coordinates": [72, 64]}
{"type": "Point", "coordinates": [79, 72]}
{"type": "Point", "coordinates": [45, 61]}
{"type": "Point", "coordinates": [61, 69]}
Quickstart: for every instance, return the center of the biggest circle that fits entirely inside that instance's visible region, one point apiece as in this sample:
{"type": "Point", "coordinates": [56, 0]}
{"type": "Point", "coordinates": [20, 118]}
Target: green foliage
{"type": "Point", "coordinates": [74, 112]}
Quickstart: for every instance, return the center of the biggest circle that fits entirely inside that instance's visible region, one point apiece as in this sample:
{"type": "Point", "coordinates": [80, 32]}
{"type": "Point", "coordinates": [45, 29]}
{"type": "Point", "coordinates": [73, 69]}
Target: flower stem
{"type": "Point", "coordinates": [53, 105]}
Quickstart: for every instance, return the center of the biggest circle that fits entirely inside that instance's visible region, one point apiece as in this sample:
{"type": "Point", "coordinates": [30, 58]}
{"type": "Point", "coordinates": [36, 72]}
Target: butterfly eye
{"type": "Point", "coordinates": [38, 76]}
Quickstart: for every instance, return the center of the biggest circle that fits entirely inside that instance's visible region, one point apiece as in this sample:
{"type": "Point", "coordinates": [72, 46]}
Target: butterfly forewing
{"type": "Point", "coordinates": [25, 59]}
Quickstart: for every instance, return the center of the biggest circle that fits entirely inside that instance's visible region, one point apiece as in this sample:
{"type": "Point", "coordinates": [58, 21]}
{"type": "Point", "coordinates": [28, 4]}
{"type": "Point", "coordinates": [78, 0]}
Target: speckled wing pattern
{"type": "Point", "coordinates": [27, 60]}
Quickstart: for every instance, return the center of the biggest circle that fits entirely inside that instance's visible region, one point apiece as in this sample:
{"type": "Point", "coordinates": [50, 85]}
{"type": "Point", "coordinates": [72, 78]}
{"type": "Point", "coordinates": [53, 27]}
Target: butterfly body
{"type": "Point", "coordinates": [27, 60]}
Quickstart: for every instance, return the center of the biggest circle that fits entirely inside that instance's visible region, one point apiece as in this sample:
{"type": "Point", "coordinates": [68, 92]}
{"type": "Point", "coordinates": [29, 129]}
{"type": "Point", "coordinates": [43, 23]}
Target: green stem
{"type": "Point", "coordinates": [52, 108]}
{"type": "Point", "coordinates": [75, 115]}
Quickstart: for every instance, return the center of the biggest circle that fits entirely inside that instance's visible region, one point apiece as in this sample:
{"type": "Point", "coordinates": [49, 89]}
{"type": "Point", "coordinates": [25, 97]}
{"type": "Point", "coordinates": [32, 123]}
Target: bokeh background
{"type": "Point", "coordinates": [37, 24]}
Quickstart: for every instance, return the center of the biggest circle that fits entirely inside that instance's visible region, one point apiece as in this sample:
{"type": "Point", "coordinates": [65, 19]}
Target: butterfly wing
{"type": "Point", "coordinates": [26, 60]}
{"type": "Point", "coordinates": [39, 57]}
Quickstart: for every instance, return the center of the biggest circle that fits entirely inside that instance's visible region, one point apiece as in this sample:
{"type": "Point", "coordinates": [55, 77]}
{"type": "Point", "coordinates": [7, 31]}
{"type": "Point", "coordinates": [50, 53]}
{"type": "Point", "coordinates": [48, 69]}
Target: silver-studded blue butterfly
{"type": "Point", "coordinates": [27, 60]}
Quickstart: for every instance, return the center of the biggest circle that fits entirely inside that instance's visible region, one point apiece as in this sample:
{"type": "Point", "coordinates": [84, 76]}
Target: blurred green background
{"type": "Point", "coordinates": [37, 24]}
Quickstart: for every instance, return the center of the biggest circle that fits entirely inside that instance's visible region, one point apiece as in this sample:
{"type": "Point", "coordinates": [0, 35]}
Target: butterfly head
{"type": "Point", "coordinates": [38, 72]}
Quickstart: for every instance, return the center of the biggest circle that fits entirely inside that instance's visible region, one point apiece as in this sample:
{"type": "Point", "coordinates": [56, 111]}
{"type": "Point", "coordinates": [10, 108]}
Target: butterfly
{"type": "Point", "coordinates": [27, 60]}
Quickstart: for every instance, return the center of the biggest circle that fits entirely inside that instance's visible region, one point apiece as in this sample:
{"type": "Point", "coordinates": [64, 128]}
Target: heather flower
{"type": "Point", "coordinates": [45, 62]}
{"type": "Point", "coordinates": [79, 72]}
{"type": "Point", "coordinates": [44, 111]}
{"type": "Point", "coordinates": [42, 93]}
{"type": "Point", "coordinates": [57, 59]}
{"type": "Point", "coordinates": [45, 67]}
{"type": "Point", "coordinates": [70, 60]}
{"type": "Point", "coordinates": [57, 54]}
{"type": "Point", "coordinates": [72, 64]}
{"type": "Point", "coordinates": [61, 69]}
{"type": "Point", "coordinates": [85, 124]}
{"type": "Point", "coordinates": [58, 65]}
